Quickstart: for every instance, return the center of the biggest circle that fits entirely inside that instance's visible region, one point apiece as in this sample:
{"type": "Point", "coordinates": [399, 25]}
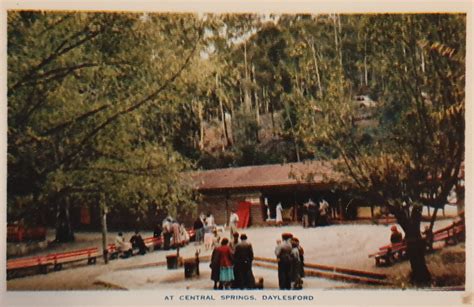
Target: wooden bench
{"type": "Point", "coordinates": [112, 251]}
{"type": "Point", "coordinates": [89, 254]}
{"type": "Point", "coordinates": [153, 243]}
{"type": "Point", "coordinates": [389, 254]}
{"type": "Point", "coordinates": [450, 235]}
{"type": "Point", "coordinates": [42, 263]}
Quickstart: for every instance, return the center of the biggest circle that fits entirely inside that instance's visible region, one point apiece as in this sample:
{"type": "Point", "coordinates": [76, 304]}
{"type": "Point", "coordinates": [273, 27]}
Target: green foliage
{"type": "Point", "coordinates": [79, 85]}
{"type": "Point", "coordinates": [94, 97]}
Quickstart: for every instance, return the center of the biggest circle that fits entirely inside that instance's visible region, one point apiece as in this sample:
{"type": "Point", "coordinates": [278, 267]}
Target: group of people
{"type": "Point", "coordinates": [206, 230]}
{"type": "Point", "coordinates": [290, 256]}
{"type": "Point", "coordinates": [231, 264]}
{"type": "Point", "coordinates": [125, 248]}
{"type": "Point", "coordinates": [174, 233]}
{"type": "Point", "coordinates": [314, 214]}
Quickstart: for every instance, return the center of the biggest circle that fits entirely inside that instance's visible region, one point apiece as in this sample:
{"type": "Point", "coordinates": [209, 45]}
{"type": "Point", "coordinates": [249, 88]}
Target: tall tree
{"type": "Point", "coordinates": [75, 83]}
{"type": "Point", "coordinates": [416, 154]}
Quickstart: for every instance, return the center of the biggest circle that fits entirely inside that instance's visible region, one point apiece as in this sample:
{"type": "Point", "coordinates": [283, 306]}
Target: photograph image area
{"type": "Point", "coordinates": [210, 152]}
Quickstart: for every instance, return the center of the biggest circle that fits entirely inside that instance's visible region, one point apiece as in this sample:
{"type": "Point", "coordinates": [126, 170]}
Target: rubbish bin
{"type": "Point", "coordinates": [190, 268]}
{"type": "Point", "coordinates": [172, 262]}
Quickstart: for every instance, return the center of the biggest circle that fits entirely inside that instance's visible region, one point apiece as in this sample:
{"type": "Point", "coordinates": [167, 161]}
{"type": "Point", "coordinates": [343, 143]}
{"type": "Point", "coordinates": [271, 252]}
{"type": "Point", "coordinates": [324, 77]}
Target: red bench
{"type": "Point", "coordinates": [89, 254]}
{"type": "Point", "coordinates": [153, 242]}
{"type": "Point", "coordinates": [390, 253]}
{"type": "Point", "coordinates": [450, 235]}
{"type": "Point", "coordinates": [42, 263]}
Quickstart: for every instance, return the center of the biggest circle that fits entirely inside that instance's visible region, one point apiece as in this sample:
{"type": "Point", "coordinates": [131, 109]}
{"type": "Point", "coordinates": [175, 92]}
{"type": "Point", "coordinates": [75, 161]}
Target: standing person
{"type": "Point", "coordinates": [234, 242]}
{"type": "Point", "coordinates": [283, 254]}
{"type": "Point", "coordinates": [177, 240]}
{"type": "Point", "coordinates": [216, 238]}
{"type": "Point", "coordinates": [184, 235]}
{"type": "Point", "coordinates": [167, 233]}
{"type": "Point", "coordinates": [233, 220]}
{"type": "Point", "coordinates": [215, 268]}
{"type": "Point", "coordinates": [232, 245]}
{"type": "Point", "coordinates": [157, 235]}
{"type": "Point", "coordinates": [295, 266]}
{"type": "Point", "coordinates": [267, 209]}
{"type": "Point", "coordinates": [210, 223]}
{"type": "Point", "coordinates": [208, 237]}
{"type": "Point", "coordinates": [137, 242]}
{"type": "Point", "coordinates": [199, 229]}
{"type": "Point", "coordinates": [312, 213]}
{"type": "Point", "coordinates": [279, 214]}
{"type": "Point", "coordinates": [301, 252]}
{"type": "Point", "coordinates": [243, 258]}
{"type": "Point", "coordinates": [226, 274]}
{"type": "Point", "coordinates": [304, 213]}
{"type": "Point", "coordinates": [324, 212]}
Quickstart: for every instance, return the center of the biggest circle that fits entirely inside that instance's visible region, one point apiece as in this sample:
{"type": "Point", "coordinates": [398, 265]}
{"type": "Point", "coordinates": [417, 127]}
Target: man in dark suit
{"type": "Point", "coordinates": [283, 254]}
{"type": "Point", "coordinates": [243, 257]}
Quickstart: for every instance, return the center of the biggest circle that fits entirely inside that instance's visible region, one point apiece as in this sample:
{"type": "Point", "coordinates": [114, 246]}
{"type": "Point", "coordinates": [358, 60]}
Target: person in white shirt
{"type": "Point", "coordinates": [323, 212]}
{"type": "Point", "coordinates": [125, 248]}
{"type": "Point", "coordinates": [279, 215]}
{"type": "Point", "coordinates": [210, 223]}
{"type": "Point", "coordinates": [233, 220]}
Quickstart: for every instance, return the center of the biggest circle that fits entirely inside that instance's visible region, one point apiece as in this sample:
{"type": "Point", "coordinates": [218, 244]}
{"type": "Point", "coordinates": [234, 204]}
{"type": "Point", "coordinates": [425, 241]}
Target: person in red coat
{"type": "Point", "coordinates": [226, 274]}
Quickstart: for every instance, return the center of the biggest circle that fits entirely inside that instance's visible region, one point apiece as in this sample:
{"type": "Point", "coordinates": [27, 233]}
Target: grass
{"type": "Point", "coordinates": [447, 268]}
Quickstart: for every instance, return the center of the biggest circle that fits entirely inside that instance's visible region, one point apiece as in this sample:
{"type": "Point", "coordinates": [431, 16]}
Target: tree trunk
{"type": "Point", "coordinates": [272, 116]}
{"type": "Point", "coordinates": [201, 126]}
{"type": "Point", "coordinates": [293, 134]}
{"type": "Point", "coordinates": [316, 66]}
{"type": "Point", "coordinates": [433, 218]}
{"type": "Point", "coordinates": [247, 99]}
{"type": "Point", "coordinates": [104, 231]}
{"type": "Point", "coordinates": [224, 124]}
{"type": "Point", "coordinates": [257, 106]}
{"type": "Point", "coordinates": [416, 254]}
{"type": "Point", "coordinates": [420, 275]}
{"type": "Point", "coordinates": [337, 39]}
{"type": "Point", "coordinates": [366, 78]}
{"type": "Point", "coordinates": [64, 231]}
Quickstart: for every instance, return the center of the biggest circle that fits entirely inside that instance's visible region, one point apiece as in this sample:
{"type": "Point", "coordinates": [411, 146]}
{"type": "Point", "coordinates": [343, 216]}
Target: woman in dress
{"type": "Point", "coordinates": [226, 272]}
{"type": "Point", "coordinates": [279, 215]}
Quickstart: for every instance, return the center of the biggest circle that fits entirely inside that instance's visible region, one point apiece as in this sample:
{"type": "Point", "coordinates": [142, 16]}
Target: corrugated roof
{"type": "Point", "coordinates": [314, 172]}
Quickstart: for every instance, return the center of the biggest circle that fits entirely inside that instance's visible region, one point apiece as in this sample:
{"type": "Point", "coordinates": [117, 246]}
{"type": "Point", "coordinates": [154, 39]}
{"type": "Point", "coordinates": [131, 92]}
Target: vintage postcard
{"type": "Point", "coordinates": [210, 153]}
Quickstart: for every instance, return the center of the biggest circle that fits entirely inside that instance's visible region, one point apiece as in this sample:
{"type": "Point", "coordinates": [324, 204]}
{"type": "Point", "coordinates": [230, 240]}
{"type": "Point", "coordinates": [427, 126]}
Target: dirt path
{"type": "Point", "coordinates": [344, 246]}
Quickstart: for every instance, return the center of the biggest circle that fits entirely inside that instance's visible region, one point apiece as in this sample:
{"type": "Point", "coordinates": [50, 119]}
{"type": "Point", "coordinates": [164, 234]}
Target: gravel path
{"type": "Point", "coordinates": [345, 246]}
